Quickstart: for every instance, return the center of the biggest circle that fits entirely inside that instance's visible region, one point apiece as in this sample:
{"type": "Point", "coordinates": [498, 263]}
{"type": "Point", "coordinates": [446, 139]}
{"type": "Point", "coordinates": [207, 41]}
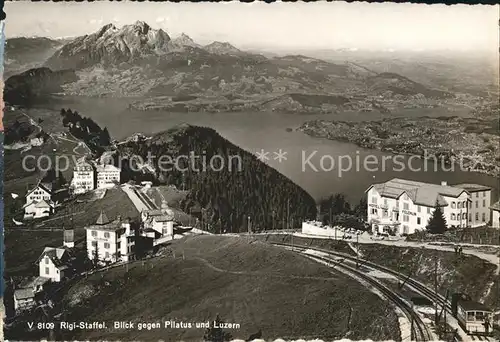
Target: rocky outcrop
{"type": "Point", "coordinates": [111, 46]}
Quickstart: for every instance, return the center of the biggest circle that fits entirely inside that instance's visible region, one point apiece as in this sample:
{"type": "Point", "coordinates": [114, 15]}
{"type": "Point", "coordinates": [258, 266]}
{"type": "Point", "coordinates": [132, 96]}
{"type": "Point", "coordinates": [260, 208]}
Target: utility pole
{"type": "Point", "coordinates": [248, 228]}
{"type": "Point", "coordinates": [412, 323]}
{"type": "Point", "coordinates": [444, 308]}
{"type": "Point", "coordinates": [288, 214]}
{"type": "Point", "coordinates": [435, 289]}
{"type": "Point", "coordinates": [357, 251]}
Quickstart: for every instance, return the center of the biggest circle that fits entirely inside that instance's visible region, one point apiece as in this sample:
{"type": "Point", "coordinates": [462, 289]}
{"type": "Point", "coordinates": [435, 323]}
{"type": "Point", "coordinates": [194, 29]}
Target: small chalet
{"type": "Point", "coordinates": [56, 263]}
{"type": "Point", "coordinates": [39, 201]}
{"type": "Point", "coordinates": [159, 220]}
{"type": "Point", "coordinates": [24, 299]}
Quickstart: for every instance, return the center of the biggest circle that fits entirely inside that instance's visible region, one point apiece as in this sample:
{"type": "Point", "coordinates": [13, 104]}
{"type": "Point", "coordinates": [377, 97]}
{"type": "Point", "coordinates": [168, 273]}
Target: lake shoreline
{"type": "Point", "coordinates": [254, 131]}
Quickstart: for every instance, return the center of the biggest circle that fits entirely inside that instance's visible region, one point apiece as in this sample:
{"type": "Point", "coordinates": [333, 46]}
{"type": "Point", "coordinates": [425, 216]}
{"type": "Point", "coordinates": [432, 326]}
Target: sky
{"type": "Point", "coordinates": [318, 25]}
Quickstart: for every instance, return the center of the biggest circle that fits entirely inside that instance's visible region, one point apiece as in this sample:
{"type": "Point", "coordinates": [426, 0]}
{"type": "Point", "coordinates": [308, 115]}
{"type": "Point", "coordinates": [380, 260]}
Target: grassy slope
{"type": "Point", "coordinates": [198, 287]}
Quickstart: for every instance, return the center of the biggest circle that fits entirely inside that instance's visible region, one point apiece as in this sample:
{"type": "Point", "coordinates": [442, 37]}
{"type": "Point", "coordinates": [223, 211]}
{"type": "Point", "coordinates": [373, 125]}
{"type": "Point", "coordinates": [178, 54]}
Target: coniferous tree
{"type": "Point", "coordinates": [437, 222]}
{"type": "Point", "coordinates": [360, 210]}
{"type": "Point", "coordinates": [96, 256]}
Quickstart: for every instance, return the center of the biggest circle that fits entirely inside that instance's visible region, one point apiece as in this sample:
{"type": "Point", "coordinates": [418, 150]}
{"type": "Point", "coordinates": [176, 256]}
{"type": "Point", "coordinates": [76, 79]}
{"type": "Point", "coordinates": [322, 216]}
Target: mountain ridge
{"type": "Point", "coordinates": [137, 60]}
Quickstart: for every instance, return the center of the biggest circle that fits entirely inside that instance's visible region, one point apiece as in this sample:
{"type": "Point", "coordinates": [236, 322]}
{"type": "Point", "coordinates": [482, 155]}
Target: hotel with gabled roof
{"type": "Point", "coordinates": [401, 206]}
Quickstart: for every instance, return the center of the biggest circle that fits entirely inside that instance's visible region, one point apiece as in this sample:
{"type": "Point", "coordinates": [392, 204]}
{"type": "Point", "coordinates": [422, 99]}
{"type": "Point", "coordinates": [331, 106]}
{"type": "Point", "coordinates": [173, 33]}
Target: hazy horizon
{"type": "Point", "coordinates": [278, 26]}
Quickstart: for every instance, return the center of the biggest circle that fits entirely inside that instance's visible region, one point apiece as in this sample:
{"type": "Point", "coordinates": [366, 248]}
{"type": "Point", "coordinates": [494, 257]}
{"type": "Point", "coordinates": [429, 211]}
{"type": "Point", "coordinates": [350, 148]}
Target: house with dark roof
{"type": "Point", "coordinates": [111, 240]}
{"type": "Point", "coordinates": [56, 264]}
{"type": "Point", "coordinates": [402, 206]}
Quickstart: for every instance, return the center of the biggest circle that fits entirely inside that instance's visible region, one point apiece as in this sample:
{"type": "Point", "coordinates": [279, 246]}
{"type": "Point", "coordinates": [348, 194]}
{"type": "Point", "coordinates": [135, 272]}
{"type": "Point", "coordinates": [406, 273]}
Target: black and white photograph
{"type": "Point", "coordinates": [212, 172]}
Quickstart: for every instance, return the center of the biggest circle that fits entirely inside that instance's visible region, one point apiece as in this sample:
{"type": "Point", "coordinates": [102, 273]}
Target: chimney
{"type": "Point", "coordinates": [444, 183]}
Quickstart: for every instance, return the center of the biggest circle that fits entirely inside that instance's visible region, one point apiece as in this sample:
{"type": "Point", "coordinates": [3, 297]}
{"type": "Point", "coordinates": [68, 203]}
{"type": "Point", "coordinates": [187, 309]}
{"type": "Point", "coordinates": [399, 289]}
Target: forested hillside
{"type": "Point", "coordinates": [244, 190]}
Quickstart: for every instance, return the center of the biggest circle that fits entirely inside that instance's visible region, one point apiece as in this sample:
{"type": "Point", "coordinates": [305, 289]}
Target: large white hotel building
{"type": "Point", "coordinates": [405, 206]}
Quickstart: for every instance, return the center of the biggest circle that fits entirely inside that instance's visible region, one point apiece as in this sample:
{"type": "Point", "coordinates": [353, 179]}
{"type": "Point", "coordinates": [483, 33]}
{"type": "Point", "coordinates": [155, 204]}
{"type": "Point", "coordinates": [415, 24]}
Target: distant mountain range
{"type": "Point", "coordinates": [137, 60]}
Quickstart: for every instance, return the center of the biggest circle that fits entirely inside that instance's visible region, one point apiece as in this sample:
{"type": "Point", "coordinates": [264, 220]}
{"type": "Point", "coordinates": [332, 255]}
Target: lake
{"type": "Point", "coordinates": [268, 132]}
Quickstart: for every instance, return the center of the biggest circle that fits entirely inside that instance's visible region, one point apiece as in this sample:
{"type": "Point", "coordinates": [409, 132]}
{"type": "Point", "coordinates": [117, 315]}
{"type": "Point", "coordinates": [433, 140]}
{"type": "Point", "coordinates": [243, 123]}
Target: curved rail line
{"type": "Point", "coordinates": [420, 330]}
{"type": "Point", "coordinates": [423, 289]}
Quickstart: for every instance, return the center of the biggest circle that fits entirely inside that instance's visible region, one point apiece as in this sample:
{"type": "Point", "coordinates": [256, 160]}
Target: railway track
{"type": "Point", "coordinates": [420, 331]}
{"type": "Point", "coordinates": [423, 289]}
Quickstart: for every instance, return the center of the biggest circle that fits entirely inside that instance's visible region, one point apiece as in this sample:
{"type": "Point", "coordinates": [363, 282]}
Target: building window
{"type": "Point", "coordinates": [385, 201]}
{"type": "Point", "coordinates": [459, 205]}
{"type": "Point", "coordinates": [453, 217]}
{"type": "Point", "coordinates": [477, 194]}
{"type": "Point", "coordinates": [406, 218]}
{"type": "Point", "coordinates": [385, 213]}
{"type": "Point", "coordinates": [47, 270]}
{"type": "Point", "coordinates": [374, 211]}
{"type": "Point", "coordinates": [46, 260]}
{"type": "Point", "coordinates": [418, 208]}
{"type": "Point", "coordinates": [406, 206]}
{"type": "Point", "coordinates": [477, 204]}
{"type": "Point", "coordinates": [374, 200]}
{"type": "Point", "coordinates": [94, 243]}
{"type": "Point", "coordinates": [470, 217]}
{"type": "Point", "coordinates": [464, 216]}
{"type": "Point", "coordinates": [452, 205]}
{"type": "Point", "coordinates": [94, 233]}
{"type": "Point", "coordinates": [106, 235]}
{"type": "Point", "coordinates": [477, 216]}
{"type": "Point", "coordinates": [106, 245]}
{"type": "Point", "coordinates": [484, 203]}
{"type": "Point", "coordinates": [464, 205]}
{"type": "Point", "coordinates": [483, 217]}
{"type": "Point", "coordinates": [418, 220]}
{"type": "Point", "coordinates": [484, 193]}
{"type": "Point", "coordinates": [428, 210]}
{"type": "Point", "coordinates": [106, 255]}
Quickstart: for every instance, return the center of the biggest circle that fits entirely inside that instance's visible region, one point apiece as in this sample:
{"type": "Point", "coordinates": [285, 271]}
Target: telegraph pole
{"type": "Point", "coordinates": [357, 251]}
{"type": "Point", "coordinates": [248, 228]}
{"type": "Point", "coordinates": [288, 214]}
{"type": "Point", "coordinates": [412, 323]}
{"type": "Point", "coordinates": [435, 289]}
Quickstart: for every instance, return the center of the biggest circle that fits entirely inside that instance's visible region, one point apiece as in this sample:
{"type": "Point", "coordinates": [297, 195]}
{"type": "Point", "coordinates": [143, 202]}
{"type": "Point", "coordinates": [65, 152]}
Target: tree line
{"type": "Point", "coordinates": [335, 210]}
{"type": "Point", "coordinates": [87, 130]}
